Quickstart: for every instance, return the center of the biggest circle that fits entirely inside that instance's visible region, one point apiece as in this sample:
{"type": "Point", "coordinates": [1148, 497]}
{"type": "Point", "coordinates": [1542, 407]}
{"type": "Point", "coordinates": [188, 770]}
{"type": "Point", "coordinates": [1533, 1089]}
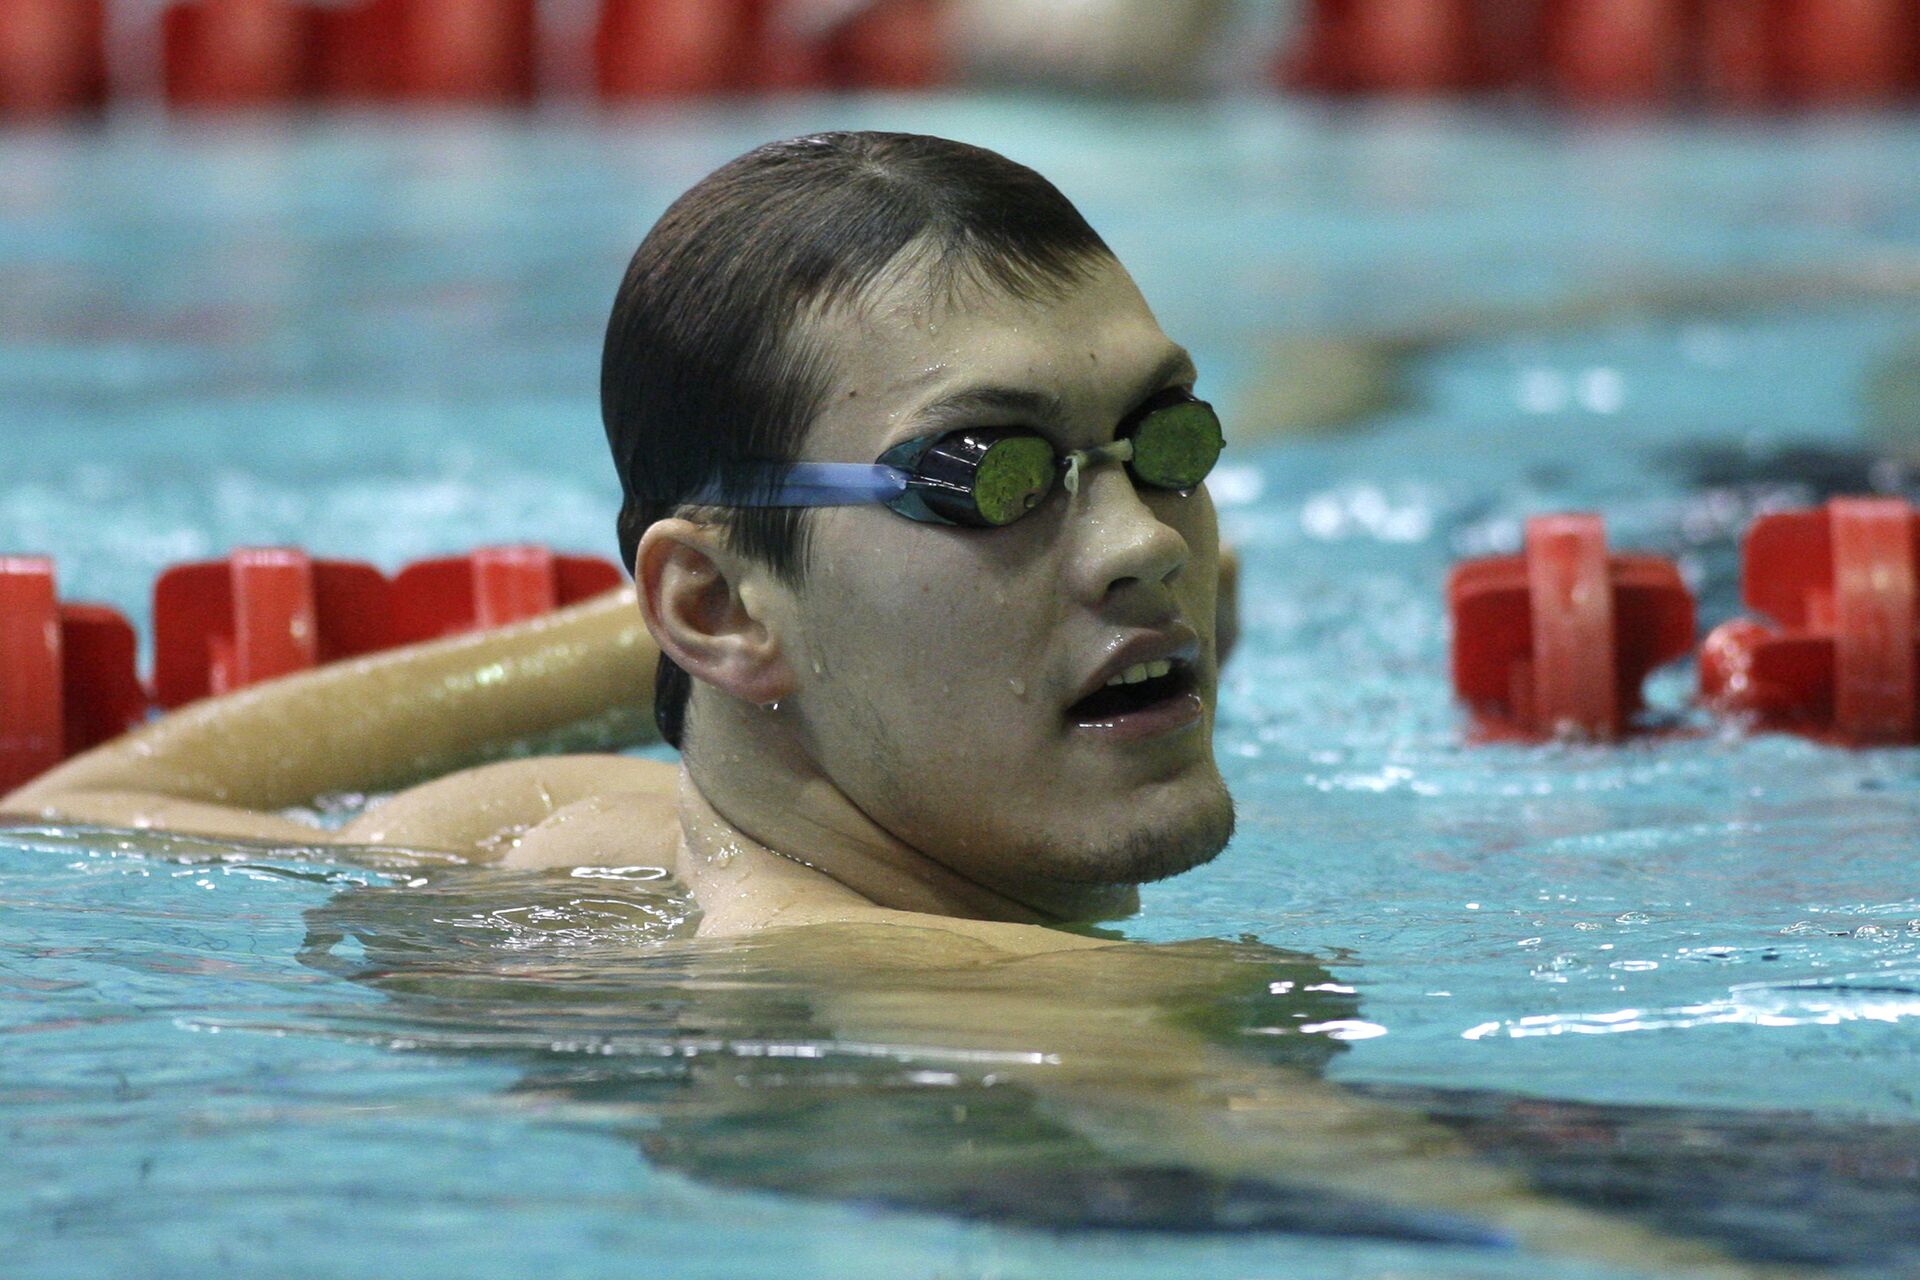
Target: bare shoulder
{"type": "Point", "coordinates": [547, 811]}
{"type": "Point", "coordinates": [869, 938]}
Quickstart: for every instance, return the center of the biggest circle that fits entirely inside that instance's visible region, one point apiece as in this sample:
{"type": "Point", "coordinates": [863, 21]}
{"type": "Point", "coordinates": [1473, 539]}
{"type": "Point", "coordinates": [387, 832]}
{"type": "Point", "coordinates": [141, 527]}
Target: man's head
{"type": "Point", "coordinates": [707, 359]}
{"type": "Point", "coordinates": [824, 300]}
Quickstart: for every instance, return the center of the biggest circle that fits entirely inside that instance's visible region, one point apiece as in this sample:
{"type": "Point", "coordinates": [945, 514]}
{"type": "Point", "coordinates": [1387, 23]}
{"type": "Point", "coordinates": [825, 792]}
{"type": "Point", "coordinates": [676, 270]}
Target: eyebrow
{"type": "Point", "coordinates": [1043, 408]}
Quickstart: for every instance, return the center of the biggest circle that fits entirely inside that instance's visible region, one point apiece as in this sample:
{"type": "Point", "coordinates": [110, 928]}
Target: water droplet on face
{"type": "Point", "coordinates": [819, 667]}
{"type": "Point", "coordinates": [1018, 686]}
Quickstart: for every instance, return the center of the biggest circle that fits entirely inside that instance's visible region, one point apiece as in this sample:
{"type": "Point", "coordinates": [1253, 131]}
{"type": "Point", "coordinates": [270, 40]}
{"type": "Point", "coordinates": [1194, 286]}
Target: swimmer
{"type": "Point", "coordinates": [926, 591]}
{"type": "Point", "coordinates": [985, 694]}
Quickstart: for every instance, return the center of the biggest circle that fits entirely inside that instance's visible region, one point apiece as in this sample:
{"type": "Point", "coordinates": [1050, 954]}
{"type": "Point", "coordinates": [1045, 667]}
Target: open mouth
{"type": "Point", "coordinates": [1153, 691]}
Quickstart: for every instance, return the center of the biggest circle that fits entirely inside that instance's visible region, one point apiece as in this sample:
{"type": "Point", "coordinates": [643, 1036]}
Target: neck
{"type": "Point", "coordinates": [754, 790]}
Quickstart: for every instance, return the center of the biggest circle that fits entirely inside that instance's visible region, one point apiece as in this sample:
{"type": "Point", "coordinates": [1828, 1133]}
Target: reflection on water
{"type": "Point", "coordinates": [1778, 1186]}
{"type": "Point", "coordinates": [831, 1062]}
{"type": "Point", "coordinates": [1060, 1092]}
{"type": "Point", "coordinates": [1164, 1089]}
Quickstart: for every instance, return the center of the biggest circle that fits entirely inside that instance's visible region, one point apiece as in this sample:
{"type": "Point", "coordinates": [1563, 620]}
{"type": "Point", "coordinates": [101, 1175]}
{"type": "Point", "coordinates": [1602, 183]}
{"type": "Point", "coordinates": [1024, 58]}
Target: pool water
{"type": "Point", "coordinates": [1681, 975]}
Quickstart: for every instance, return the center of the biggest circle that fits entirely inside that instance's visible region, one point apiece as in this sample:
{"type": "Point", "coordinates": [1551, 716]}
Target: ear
{"type": "Point", "coordinates": [698, 599]}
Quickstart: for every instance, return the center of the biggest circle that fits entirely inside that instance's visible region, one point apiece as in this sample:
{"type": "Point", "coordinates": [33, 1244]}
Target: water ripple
{"type": "Point", "coordinates": [1883, 997]}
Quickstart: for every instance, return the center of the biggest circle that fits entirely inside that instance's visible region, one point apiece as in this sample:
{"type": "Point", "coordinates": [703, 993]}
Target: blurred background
{"type": "Point", "coordinates": [62, 56]}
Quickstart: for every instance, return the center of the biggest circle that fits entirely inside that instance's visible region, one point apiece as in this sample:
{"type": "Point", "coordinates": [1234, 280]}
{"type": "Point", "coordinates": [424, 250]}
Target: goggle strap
{"type": "Point", "coordinates": [806, 484]}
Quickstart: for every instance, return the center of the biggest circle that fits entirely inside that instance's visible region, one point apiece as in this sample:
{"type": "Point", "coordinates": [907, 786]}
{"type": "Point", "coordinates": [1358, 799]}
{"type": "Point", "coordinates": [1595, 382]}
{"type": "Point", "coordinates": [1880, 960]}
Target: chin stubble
{"type": "Point", "coordinates": [1148, 853]}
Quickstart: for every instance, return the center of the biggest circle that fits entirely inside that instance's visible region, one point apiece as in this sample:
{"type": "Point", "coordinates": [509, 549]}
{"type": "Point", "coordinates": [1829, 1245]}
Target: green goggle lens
{"type": "Point", "coordinates": [1175, 447]}
{"type": "Point", "coordinates": [1011, 478]}
{"type": "Point", "coordinates": [992, 476]}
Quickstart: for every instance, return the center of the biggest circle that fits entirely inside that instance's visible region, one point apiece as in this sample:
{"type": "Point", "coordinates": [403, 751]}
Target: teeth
{"type": "Point", "coordinates": [1142, 671]}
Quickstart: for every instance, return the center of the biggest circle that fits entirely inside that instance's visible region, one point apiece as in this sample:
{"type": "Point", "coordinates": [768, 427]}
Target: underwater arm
{"type": "Point", "coordinates": [581, 676]}
{"type": "Point", "coordinates": [1128, 1045]}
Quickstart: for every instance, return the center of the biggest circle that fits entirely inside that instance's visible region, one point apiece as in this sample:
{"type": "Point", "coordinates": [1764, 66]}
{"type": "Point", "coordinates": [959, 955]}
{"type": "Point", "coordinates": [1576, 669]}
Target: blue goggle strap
{"type": "Point", "coordinates": [806, 484]}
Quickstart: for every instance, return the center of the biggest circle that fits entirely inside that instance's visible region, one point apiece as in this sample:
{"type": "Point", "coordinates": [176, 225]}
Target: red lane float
{"type": "Point", "coordinates": [31, 711]}
{"type": "Point", "coordinates": [1837, 658]}
{"type": "Point", "coordinates": [1849, 52]}
{"type": "Point", "coordinates": [1739, 53]}
{"type": "Point", "coordinates": [67, 671]}
{"type": "Point", "coordinates": [67, 679]}
{"type": "Point", "coordinates": [104, 696]}
{"type": "Point", "coordinates": [263, 612]}
{"type": "Point", "coordinates": [782, 56]}
{"type": "Point", "coordinates": [895, 45]}
{"type": "Point", "coordinates": [1386, 46]}
{"type": "Point", "coordinates": [1615, 53]}
{"type": "Point", "coordinates": [492, 587]}
{"type": "Point", "coordinates": [1318, 61]}
{"type": "Point", "coordinates": [235, 53]}
{"type": "Point", "coordinates": [1560, 639]}
{"type": "Point", "coordinates": [1411, 46]}
{"type": "Point", "coordinates": [52, 56]}
{"type": "Point", "coordinates": [356, 50]}
{"type": "Point", "coordinates": [478, 51]}
{"type": "Point", "coordinates": [671, 48]}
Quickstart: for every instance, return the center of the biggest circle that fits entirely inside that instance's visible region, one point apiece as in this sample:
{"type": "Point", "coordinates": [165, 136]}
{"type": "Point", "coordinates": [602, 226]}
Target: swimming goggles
{"type": "Point", "coordinates": [987, 477]}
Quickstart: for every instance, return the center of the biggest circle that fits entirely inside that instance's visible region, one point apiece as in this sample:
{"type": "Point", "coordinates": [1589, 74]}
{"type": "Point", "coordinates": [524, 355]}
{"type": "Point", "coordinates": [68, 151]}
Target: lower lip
{"type": "Point", "coordinates": [1171, 716]}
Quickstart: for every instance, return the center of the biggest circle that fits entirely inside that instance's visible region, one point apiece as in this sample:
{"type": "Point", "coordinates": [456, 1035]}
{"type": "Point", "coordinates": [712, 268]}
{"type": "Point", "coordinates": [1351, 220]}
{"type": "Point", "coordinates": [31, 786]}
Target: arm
{"type": "Point", "coordinates": [1142, 1051]}
{"type": "Point", "coordinates": [581, 675]}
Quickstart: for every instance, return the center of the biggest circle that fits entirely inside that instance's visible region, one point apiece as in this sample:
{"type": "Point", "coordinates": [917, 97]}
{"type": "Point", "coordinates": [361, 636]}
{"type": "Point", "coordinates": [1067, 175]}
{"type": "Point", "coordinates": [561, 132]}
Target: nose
{"type": "Point", "coordinates": [1120, 541]}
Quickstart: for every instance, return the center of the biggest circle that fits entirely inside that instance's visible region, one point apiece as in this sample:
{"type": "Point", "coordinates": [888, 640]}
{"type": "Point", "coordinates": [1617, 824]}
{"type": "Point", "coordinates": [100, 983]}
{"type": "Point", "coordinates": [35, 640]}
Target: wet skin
{"type": "Point", "coordinates": [907, 712]}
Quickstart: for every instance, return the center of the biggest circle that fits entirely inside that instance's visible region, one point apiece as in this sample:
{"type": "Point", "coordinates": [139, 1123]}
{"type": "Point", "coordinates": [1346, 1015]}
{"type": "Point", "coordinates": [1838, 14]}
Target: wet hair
{"type": "Point", "coordinates": [708, 361]}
